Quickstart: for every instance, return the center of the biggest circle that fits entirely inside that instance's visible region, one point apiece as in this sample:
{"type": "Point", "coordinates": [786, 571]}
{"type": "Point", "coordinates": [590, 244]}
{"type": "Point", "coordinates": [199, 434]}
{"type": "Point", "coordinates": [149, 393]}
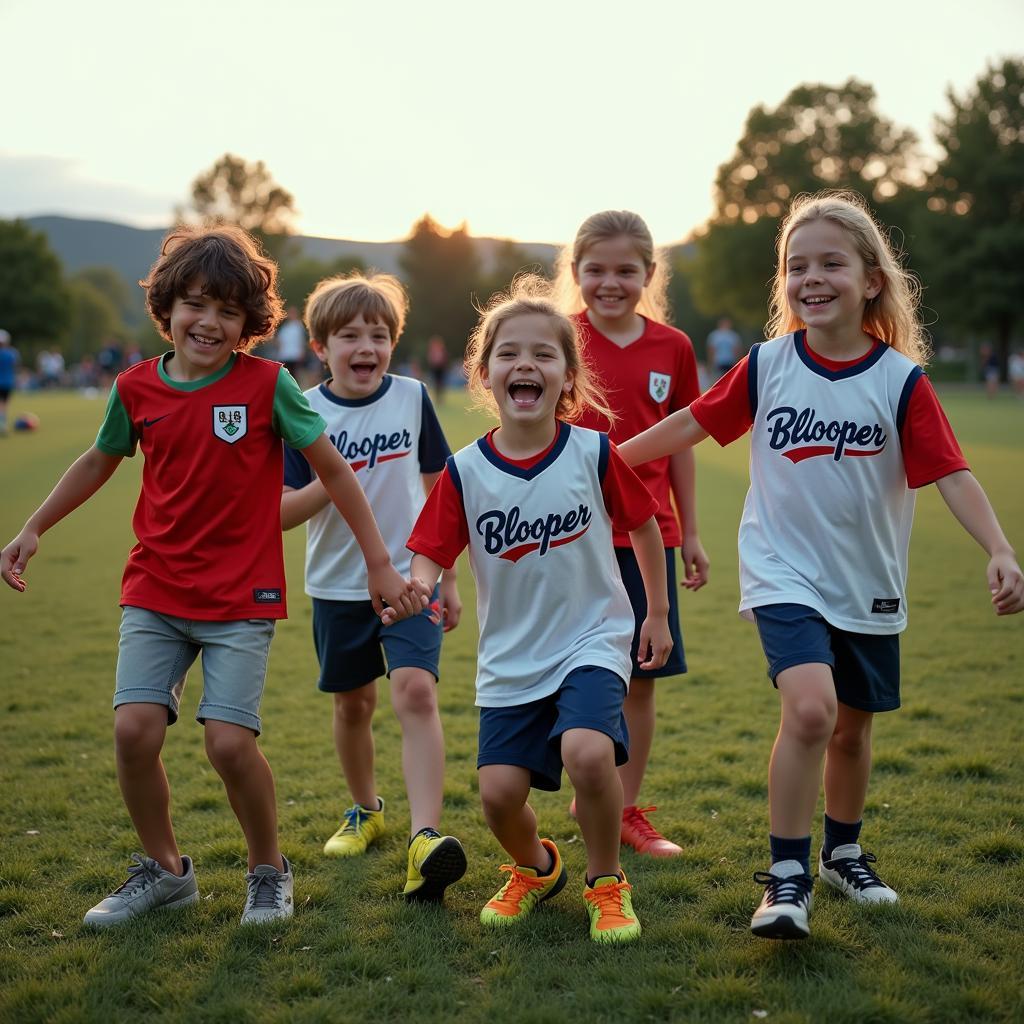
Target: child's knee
{"type": "Point", "coordinates": [229, 747]}
{"type": "Point", "coordinates": [356, 707]}
{"type": "Point", "coordinates": [414, 692]}
{"type": "Point", "coordinates": [589, 758]}
{"type": "Point", "coordinates": [851, 739]}
{"type": "Point", "coordinates": [811, 718]}
{"type": "Point", "coordinates": [139, 730]}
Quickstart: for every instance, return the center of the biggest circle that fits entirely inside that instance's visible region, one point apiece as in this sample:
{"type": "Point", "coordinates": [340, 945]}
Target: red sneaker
{"type": "Point", "coordinates": [642, 836]}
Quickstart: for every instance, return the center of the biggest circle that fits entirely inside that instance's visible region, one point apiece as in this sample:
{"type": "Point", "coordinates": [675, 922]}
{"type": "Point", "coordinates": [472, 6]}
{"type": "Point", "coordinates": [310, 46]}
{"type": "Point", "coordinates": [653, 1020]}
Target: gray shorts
{"type": "Point", "coordinates": [156, 651]}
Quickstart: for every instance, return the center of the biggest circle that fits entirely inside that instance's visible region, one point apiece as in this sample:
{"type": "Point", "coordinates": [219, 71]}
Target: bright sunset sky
{"type": "Point", "coordinates": [521, 118]}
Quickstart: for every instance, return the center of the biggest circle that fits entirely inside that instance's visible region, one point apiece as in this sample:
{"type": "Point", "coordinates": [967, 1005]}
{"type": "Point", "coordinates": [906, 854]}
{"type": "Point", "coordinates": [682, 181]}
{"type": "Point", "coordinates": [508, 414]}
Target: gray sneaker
{"type": "Point", "coordinates": [269, 896]}
{"type": "Point", "coordinates": [147, 887]}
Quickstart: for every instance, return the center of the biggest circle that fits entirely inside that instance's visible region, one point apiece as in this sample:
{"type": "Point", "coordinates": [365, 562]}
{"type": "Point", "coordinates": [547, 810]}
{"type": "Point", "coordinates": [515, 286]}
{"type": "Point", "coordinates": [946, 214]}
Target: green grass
{"type": "Point", "coordinates": [944, 809]}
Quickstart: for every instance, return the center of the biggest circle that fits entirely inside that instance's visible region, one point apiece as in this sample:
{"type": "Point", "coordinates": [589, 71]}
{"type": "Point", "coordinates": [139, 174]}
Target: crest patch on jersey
{"type": "Point", "coordinates": [230, 422]}
{"type": "Point", "coordinates": [659, 385]}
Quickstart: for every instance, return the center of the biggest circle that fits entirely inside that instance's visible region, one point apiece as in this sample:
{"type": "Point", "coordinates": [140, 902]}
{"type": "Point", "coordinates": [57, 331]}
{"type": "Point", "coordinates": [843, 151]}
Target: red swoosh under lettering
{"type": "Point", "coordinates": [514, 554]}
{"type": "Point", "coordinates": [812, 451]}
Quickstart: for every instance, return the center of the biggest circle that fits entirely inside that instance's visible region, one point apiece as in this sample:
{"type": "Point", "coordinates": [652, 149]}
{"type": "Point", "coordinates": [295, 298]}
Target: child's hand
{"type": "Point", "coordinates": [695, 564]}
{"type": "Point", "coordinates": [14, 558]}
{"type": "Point", "coordinates": [451, 603]}
{"type": "Point", "coordinates": [393, 598]}
{"type": "Point", "coordinates": [419, 595]}
{"type": "Point", "coordinates": [655, 641]}
{"type": "Point", "coordinates": [1006, 582]}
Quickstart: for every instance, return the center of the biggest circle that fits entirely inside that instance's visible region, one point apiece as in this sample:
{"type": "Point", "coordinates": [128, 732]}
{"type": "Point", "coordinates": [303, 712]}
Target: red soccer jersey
{"type": "Point", "coordinates": [208, 519]}
{"type": "Point", "coordinates": [930, 449]}
{"type": "Point", "coordinates": [643, 383]}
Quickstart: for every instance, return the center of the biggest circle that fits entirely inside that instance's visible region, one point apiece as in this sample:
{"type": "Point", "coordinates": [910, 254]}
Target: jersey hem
{"type": "Point", "coordinates": [847, 625]}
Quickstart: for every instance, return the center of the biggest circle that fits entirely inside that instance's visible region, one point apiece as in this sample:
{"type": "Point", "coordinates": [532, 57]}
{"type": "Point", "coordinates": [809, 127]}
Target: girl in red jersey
{"type": "Point", "coordinates": [536, 501]}
{"type": "Point", "coordinates": [613, 284]}
{"type": "Point", "coordinates": [845, 425]}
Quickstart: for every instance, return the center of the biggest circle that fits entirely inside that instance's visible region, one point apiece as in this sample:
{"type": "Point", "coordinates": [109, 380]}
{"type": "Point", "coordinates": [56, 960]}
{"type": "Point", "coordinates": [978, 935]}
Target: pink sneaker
{"type": "Point", "coordinates": [642, 836]}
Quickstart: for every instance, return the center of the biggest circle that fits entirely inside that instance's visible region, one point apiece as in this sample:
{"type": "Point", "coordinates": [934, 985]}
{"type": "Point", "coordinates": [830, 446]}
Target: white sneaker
{"type": "Point", "coordinates": [147, 887]}
{"type": "Point", "coordinates": [849, 870]}
{"type": "Point", "coordinates": [786, 904]}
{"type": "Point", "coordinates": [269, 894]}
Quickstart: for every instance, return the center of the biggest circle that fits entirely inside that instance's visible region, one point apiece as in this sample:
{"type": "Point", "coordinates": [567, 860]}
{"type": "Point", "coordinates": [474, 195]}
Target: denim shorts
{"type": "Point", "coordinates": [349, 636]}
{"type": "Point", "coordinates": [529, 735]}
{"type": "Point", "coordinates": [634, 584]}
{"type": "Point", "coordinates": [156, 651]}
{"type": "Point", "coordinates": [865, 666]}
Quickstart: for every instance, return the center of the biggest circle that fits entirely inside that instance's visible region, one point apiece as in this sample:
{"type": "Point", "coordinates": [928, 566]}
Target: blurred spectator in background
{"type": "Point", "coordinates": [989, 369]}
{"type": "Point", "coordinates": [111, 361]}
{"type": "Point", "coordinates": [132, 355]}
{"type": "Point", "coordinates": [723, 349]}
{"type": "Point", "coordinates": [1017, 372]}
{"type": "Point", "coordinates": [437, 364]}
{"type": "Point", "coordinates": [8, 370]}
{"type": "Point", "coordinates": [50, 365]}
{"type": "Point", "coordinates": [291, 343]}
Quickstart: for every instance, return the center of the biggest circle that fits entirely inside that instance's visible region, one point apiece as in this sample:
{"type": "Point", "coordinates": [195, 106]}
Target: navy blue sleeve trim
{"type": "Point", "coordinates": [603, 457]}
{"type": "Point", "coordinates": [453, 472]}
{"type": "Point", "coordinates": [433, 448]}
{"type": "Point", "coordinates": [752, 378]}
{"type": "Point", "coordinates": [297, 471]}
{"type": "Point", "coordinates": [908, 389]}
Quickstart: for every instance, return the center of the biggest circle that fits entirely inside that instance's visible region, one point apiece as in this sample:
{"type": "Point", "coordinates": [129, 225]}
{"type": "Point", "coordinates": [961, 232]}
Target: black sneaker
{"type": "Point", "coordinates": [849, 870]}
{"type": "Point", "coordinates": [786, 904]}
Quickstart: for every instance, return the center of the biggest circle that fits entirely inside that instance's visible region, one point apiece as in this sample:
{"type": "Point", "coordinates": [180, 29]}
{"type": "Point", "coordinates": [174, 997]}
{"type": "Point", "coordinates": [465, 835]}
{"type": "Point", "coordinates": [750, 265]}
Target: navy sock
{"type": "Point", "coordinates": [791, 849]}
{"type": "Point", "coordinates": [838, 833]}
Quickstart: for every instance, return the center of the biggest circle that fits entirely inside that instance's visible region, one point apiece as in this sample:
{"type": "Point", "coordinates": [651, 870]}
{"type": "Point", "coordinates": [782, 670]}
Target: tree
{"type": "Point", "coordinates": [685, 314]}
{"type": "Point", "coordinates": [246, 194]}
{"type": "Point", "coordinates": [819, 137]}
{"type": "Point", "coordinates": [34, 303]}
{"type": "Point", "coordinates": [977, 202]}
{"type": "Point", "coordinates": [94, 320]}
{"type": "Point", "coordinates": [128, 301]}
{"type": "Point", "coordinates": [300, 276]}
{"type": "Point", "coordinates": [441, 271]}
{"type": "Point", "coordinates": [508, 259]}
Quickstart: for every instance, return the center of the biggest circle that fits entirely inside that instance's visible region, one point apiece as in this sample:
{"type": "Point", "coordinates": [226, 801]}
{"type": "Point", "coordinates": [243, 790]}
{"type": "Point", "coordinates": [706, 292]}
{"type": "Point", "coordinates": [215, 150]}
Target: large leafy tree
{"type": "Point", "coordinates": [820, 136]}
{"type": "Point", "coordinates": [441, 270]}
{"type": "Point", "coordinates": [977, 202]}
{"type": "Point", "coordinates": [35, 306]}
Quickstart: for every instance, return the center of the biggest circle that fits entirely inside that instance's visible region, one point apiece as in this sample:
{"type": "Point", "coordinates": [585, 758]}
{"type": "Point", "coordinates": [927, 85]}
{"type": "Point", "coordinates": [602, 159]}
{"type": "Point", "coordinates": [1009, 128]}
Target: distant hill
{"type": "Point", "coordinates": [131, 251]}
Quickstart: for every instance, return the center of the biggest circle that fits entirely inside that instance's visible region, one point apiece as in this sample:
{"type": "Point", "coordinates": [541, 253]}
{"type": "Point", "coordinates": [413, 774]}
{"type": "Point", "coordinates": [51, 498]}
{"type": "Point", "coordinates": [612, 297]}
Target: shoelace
{"type": "Point", "coordinates": [784, 890]}
{"type": "Point", "coordinates": [142, 873]}
{"type": "Point", "coordinates": [354, 817]}
{"type": "Point", "coordinates": [518, 886]}
{"type": "Point", "coordinates": [857, 872]}
{"type": "Point", "coordinates": [635, 817]}
{"type": "Point", "coordinates": [608, 899]}
{"type": "Point", "coordinates": [264, 891]}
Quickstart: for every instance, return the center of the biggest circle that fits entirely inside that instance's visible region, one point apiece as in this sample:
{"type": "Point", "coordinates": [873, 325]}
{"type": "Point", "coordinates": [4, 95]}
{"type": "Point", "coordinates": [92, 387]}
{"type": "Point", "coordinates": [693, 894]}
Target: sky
{"type": "Point", "coordinates": [520, 119]}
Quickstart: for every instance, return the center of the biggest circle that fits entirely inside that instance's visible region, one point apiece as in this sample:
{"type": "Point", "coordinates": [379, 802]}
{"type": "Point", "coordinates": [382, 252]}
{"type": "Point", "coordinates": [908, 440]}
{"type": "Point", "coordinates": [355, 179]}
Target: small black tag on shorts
{"type": "Point", "coordinates": [265, 595]}
{"type": "Point", "coordinates": [885, 606]}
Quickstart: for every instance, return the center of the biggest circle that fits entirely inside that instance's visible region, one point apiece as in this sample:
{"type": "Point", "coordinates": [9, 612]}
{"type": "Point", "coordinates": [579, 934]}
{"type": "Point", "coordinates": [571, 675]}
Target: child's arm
{"type": "Point", "coordinates": [969, 503]}
{"type": "Point", "coordinates": [655, 637]}
{"type": "Point", "coordinates": [298, 505]}
{"type": "Point", "coordinates": [671, 435]}
{"type": "Point", "coordinates": [86, 475]}
{"type": "Point", "coordinates": [383, 581]}
{"type": "Point", "coordinates": [682, 470]}
{"type": "Point", "coordinates": [451, 602]}
{"type": "Point", "coordinates": [425, 571]}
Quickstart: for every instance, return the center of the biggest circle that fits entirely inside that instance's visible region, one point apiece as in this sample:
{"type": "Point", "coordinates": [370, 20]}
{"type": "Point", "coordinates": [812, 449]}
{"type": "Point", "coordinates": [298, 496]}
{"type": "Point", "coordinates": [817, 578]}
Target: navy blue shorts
{"type": "Point", "coordinates": [634, 583]}
{"type": "Point", "coordinates": [865, 666]}
{"type": "Point", "coordinates": [529, 735]}
{"type": "Point", "coordinates": [349, 636]}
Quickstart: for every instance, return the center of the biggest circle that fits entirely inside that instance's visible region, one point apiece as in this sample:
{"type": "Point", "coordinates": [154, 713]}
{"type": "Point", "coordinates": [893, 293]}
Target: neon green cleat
{"type": "Point", "coordinates": [435, 861]}
{"type": "Point", "coordinates": [610, 907]}
{"type": "Point", "coordinates": [524, 890]}
{"type": "Point", "coordinates": [359, 828]}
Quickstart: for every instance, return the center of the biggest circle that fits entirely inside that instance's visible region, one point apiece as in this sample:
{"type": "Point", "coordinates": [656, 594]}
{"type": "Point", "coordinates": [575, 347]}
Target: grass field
{"type": "Point", "coordinates": [944, 810]}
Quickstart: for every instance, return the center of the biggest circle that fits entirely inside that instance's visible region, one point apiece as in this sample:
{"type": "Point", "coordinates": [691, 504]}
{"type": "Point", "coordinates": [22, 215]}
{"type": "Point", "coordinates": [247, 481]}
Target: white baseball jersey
{"type": "Point", "coordinates": [389, 439]}
{"type": "Point", "coordinates": [827, 519]}
{"type": "Point", "coordinates": [549, 595]}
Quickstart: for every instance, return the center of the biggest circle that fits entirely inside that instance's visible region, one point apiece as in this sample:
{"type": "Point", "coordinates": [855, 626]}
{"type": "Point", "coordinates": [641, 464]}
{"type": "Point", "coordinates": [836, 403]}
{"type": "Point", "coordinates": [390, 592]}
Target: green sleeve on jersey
{"type": "Point", "coordinates": [116, 436]}
{"type": "Point", "coordinates": [294, 421]}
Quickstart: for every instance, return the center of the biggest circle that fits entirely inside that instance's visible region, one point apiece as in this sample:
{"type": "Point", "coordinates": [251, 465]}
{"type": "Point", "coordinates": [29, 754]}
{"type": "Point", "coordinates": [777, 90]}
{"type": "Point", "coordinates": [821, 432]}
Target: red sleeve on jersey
{"type": "Point", "coordinates": [687, 382]}
{"type": "Point", "coordinates": [441, 532]}
{"type": "Point", "coordinates": [724, 409]}
{"type": "Point", "coordinates": [628, 501]}
{"type": "Point", "coordinates": [930, 449]}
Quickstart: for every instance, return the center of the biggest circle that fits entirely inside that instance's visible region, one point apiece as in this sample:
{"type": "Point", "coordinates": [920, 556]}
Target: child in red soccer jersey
{"type": "Point", "coordinates": [386, 427]}
{"type": "Point", "coordinates": [207, 573]}
{"type": "Point", "coordinates": [536, 501]}
{"type": "Point", "coordinates": [844, 426]}
{"type": "Point", "coordinates": [613, 284]}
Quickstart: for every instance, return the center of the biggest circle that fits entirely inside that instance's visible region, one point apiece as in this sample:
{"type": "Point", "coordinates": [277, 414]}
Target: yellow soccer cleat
{"type": "Point", "coordinates": [610, 907]}
{"type": "Point", "coordinates": [524, 890]}
{"type": "Point", "coordinates": [359, 827]}
{"type": "Point", "coordinates": [435, 861]}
